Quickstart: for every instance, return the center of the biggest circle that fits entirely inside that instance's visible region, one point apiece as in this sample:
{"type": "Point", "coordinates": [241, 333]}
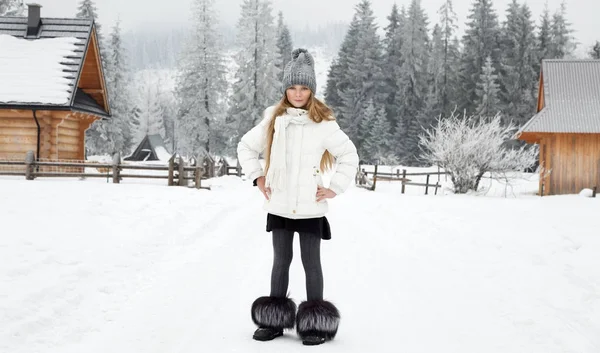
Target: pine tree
{"type": "Point", "coordinates": [436, 88]}
{"type": "Point", "coordinates": [595, 51]}
{"type": "Point", "coordinates": [378, 146]}
{"type": "Point", "coordinates": [284, 45]}
{"type": "Point", "coordinates": [12, 8]}
{"type": "Point", "coordinates": [364, 77]}
{"type": "Point", "coordinates": [488, 89]}
{"type": "Point", "coordinates": [519, 58]}
{"type": "Point", "coordinates": [451, 58]}
{"type": "Point", "coordinates": [201, 85]}
{"type": "Point", "coordinates": [118, 86]}
{"type": "Point", "coordinates": [392, 59]}
{"type": "Point", "coordinates": [256, 85]}
{"type": "Point", "coordinates": [480, 41]}
{"type": "Point", "coordinates": [151, 115]}
{"type": "Point", "coordinates": [413, 82]}
{"type": "Point", "coordinates": [563, 44]}
{"type": "Point", "coordinates": [544, 40]}
{"type": "Point", "coordinates": [337, 78]}
{"type": "Point", "coordinates": [365, 132]}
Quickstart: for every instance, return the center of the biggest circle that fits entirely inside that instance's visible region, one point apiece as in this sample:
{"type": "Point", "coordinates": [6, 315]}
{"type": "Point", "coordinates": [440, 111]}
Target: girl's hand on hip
{"type": "Point", "coordinates": [260, 182]}
{"type": "Point", "coordinates": [324, 193]}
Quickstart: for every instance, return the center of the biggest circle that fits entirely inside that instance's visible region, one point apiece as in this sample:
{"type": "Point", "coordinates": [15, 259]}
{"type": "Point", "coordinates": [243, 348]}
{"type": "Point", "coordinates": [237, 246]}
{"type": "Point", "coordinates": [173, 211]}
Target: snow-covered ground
{"type": "Point", "coordinates": [90, 266]}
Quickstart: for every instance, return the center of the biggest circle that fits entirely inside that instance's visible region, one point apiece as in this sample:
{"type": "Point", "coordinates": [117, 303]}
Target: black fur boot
{"type": "Point", "coordinates": [317, 321]}
{"type": "Point", "coordinates": [272, 315]}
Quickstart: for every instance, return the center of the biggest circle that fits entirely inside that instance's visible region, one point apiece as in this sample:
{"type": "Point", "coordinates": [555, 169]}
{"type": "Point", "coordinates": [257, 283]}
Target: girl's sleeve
{"type": "Point", "coordinates": [344, 151]}
{"type": "Point", "coordinates": [251, 145]}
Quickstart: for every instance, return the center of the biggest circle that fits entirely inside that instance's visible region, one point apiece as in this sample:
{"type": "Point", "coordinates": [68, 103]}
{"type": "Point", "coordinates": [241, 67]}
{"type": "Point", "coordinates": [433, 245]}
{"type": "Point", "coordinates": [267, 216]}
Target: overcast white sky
{"type": "Point", "coordinates": [583, 14]}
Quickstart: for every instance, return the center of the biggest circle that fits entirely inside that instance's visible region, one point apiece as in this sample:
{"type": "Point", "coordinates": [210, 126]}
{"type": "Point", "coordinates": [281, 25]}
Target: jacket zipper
{"type": "Point", "coordinates": [299, 165]}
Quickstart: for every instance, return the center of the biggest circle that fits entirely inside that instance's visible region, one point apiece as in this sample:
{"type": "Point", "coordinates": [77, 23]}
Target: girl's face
{"type": "Point", "coordinates": [298, 95]}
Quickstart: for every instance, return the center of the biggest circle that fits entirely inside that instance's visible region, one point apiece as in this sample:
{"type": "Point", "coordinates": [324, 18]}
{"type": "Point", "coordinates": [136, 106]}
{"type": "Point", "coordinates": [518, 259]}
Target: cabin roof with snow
{"type": "Point", "coordinates": [569, 98]}
{"type": "Point", "coordinates": [51, 63]}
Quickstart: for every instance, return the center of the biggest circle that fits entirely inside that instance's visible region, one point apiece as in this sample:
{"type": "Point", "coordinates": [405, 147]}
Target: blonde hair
{"type": "Point", "coordinates": [317, 112]}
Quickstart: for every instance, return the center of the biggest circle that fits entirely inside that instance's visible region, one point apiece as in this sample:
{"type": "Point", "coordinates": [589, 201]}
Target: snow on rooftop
{"type": "Point", "coordinates": [31, 71]}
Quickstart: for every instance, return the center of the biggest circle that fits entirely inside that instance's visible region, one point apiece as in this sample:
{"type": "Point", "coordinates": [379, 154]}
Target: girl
{"type": "Point", "coordinates": [300, 139]}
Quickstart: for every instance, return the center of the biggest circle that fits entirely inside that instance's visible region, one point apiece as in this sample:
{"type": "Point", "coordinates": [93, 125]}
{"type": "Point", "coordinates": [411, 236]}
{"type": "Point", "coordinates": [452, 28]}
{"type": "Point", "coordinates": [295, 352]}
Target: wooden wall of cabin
{"type": "Point", "coordinates": [573, 161]}
{"type": "Point", "coordinates": [18, 134]}
{"type": "Point", "coordinates": [62, 134]}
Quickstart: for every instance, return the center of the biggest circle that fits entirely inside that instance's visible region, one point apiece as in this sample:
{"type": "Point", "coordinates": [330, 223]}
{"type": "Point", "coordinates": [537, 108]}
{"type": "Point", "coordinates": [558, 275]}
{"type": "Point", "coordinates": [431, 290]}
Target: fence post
{"type": "Point", "coordinates": [403, 180]}
{"type": "Point", "coordinates": [594, 191]}
{"type": "Point", "coordinates": [29, 164]}
{"type": "Point", "coordinates": [116, 169]}
{"type": "Point", "coordinates": [374, 178]}
{"type": "Point", "coordinates": [181, 172]}
{"type": "Point", "coordinates": [171, 169]}
{"type": "Point", "coordinates": [427, 184]}
{"type": "Point", "coordinates": [436, 187]}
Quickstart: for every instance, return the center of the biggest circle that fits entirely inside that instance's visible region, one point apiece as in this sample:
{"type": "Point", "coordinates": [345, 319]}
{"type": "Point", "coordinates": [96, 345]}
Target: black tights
{"type": "Point", "coordinates": [310, 248]}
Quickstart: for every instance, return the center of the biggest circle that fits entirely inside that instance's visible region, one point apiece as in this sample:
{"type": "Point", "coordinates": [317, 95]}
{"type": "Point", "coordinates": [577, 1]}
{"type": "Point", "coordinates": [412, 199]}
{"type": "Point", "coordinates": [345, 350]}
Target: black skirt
{"type": "Point", "coordinates": [318, 226]}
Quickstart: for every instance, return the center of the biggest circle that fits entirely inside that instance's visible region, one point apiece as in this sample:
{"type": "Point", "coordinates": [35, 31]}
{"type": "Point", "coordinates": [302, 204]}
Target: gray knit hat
{"type": "Point", "coordinates": [300, 71]}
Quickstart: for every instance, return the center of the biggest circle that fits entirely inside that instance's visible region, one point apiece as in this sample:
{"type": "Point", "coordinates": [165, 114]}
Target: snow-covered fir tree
{"type": "Point", "coordinates": [450, 53]}
{"type": "Point", "coordinates": [337, 80]}
{"type": "Point", "coordinates": [201, 85]}
{"type": "Point", "coordinates": [544, 38]}
{"type": "Point", "coordinates": [392, 59]}
{"type": "Point", "coordinates": [519, 57]}
{"type": "Point", "coordinates": [118, 85]}
{"type": "Point", "coordinates": [595, 51]}
{"type": "Point", "coordinates": [359, 75]}
{"type": "Point", "coordinates": [412, 83]}
{"type": "Point", "coordinates": [378, 139]}
{"type": "Point", "coordinates": [435, 71]}
{"type": "Point", "coordinates": [480, 41]}
{"type": "Point", "coordinates": [169, 108]}
{"type": "Point", "coordinates": [563, 43]}
{"type": "Point", "coordinates": [284, 45]}
{"type": "Point", "coordinates": [149, 104]}
{"type": "Point", "coordinates": [256, 83]}
{"type": "Point", "coordinates": [12, 8]}
{"type": "Point", "coordinates": [488, 89]}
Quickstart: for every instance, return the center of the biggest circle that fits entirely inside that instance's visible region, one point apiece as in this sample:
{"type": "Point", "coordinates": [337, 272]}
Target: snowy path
{"type": "Point", "coordinates": [175, 270]}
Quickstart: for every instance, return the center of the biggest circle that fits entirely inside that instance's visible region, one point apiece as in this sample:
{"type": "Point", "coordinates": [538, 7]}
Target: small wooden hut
{"type": "Point", "coordinates": [52, 86]}
{"type": "Point", "coordinates": [567, 126]}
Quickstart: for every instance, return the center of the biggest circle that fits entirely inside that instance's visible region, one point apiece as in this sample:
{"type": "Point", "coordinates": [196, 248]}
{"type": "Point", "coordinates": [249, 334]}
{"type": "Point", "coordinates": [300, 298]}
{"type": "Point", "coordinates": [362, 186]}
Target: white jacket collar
{"type": "Point", "coordinates": [296, 111]}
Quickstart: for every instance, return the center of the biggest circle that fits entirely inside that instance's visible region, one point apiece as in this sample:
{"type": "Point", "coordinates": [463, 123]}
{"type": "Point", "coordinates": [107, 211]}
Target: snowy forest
{"type": "Point", "coordinates": [202, 88]}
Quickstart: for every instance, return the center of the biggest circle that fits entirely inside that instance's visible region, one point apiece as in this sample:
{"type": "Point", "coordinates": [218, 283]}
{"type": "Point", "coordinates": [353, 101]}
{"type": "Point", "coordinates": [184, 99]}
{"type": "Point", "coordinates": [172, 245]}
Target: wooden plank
{"type": "Point", "coordinates": [21, 131]}
{"type": "Point", "coordinates": [68, 155]}
{"type": "Point", "coordinates": [69, 123]}
{"type": "Point", "coordinates": [64, 147]}
{"type": "Point", "coordinates": [24, 114]}
{"type": "Point", "coordinates": [18, 139]}
{"type": "Point", "coordinates": [17, 123]}
{"type": "Point", "coordinates": [12, 156]}
{"type": "Point", "coordinates": [64, 139]}
{"type": "Point", "coordinates": [21, 148]}
{"type": "Point", "coordinates": [69, 132]}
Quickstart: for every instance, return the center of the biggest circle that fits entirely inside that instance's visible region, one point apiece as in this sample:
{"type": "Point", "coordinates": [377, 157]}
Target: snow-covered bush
{"type": "Point", "coordinates": [469, 147]}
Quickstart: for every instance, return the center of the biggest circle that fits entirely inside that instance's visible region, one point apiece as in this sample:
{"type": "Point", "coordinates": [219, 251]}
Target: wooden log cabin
{"type": "Point", "coordinates": [52, 86]}
{"type": "Point", "coordinates": [567, 126]}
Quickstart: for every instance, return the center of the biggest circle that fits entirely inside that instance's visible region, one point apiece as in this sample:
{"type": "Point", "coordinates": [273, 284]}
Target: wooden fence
{"type": "Point", "coordinates": [177, 173]}
{"type": "Point", "coordinates": [363, 181]}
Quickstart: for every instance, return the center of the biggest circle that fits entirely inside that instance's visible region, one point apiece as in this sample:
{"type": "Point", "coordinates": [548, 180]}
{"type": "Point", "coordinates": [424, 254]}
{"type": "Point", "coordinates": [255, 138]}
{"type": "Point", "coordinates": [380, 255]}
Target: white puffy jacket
{"type": "Point", "coordinates": [305, 145]}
